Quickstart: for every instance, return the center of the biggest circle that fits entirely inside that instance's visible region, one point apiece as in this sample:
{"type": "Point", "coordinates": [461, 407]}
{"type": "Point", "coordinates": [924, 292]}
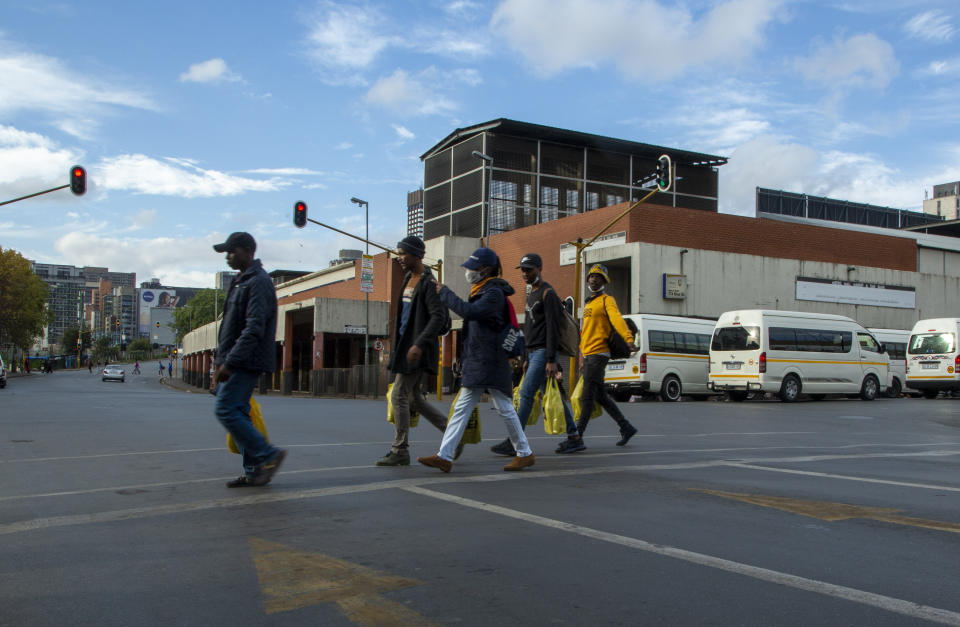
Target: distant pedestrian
{"type": "Point", "coordinates": [541, 332]}
{"type": "Point", "coordinates": [245, 350]}
{"type": "Point", "coordinates": [160, 363]}
{"type": "Point", "coordinates": [485, 366]}
{"type": "Point", "coordinates": [416, 349]}
{"type": "Point", "coordinates": [600, 316]}
{"type": "Point", "coordinates": [90, 365]}
{"type": "Point", "coordinates": [170, 369]}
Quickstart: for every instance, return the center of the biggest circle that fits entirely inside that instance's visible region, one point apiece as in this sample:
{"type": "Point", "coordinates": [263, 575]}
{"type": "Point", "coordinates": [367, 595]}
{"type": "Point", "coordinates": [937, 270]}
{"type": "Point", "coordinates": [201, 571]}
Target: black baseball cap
{"type": "Point", "coordinates": [236, 240]}
{"type": "Point", "coordinates": [531, 260]}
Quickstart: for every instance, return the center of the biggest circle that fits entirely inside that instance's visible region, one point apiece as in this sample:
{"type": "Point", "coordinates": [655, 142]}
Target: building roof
{"type": "Point", "coordinates": [950, 228]}
{"type": "Point", "coordinates": [563, 136]}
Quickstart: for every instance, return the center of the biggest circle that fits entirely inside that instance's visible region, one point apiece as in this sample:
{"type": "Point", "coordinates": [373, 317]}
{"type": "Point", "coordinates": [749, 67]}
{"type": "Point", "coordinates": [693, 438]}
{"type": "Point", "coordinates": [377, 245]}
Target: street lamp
{"type": "Point", "coordinates": [366, 327]}
{"type": "Point", "coordinates": [484, 203]}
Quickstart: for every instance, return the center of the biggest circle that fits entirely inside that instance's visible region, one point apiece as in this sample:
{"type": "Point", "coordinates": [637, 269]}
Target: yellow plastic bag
{"type": "Point", "coordinates": [256, 417]}
{"type": "Point", "coordinates": [534, 410]}
{"type": "Point", "coordinates": [554, 420]}
{"type": "Point", "coordinates": [575, 402]}
{"type": "Point", "coordinates": [414, 416]}
{"type": "Point", "coordinates": [471, 435]}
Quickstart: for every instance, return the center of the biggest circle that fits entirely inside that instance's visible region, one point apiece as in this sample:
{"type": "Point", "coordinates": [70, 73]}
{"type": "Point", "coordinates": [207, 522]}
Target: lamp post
{"type": "Point", "coordinates": [484, 203]}
{"type": "Point", "coordinates": [366, 326]}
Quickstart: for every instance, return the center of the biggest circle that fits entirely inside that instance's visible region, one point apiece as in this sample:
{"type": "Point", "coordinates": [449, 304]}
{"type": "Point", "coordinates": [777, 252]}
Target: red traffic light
{"type": "Point", "coordinates": [300, 214]}
{"type": "Point", "coordinates": [78, 180]}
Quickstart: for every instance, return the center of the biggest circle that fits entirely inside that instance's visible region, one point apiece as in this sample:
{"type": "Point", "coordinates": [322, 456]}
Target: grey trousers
{"type": "Point", "coordinates": [407, 396]}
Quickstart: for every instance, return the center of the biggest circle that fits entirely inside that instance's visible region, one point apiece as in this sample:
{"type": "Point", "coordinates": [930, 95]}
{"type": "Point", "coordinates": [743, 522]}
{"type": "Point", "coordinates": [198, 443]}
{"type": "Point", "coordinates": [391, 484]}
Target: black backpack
{"type": "Point", "coordinates": [619, 349]}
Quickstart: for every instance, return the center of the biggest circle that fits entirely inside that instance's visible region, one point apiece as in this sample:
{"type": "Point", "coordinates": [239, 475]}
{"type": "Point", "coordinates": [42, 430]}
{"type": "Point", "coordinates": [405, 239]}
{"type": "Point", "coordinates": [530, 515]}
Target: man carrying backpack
{"type": "Point", "coordinates": [600, 316]}
{"type": "Point", "coordinates": [541, 331]}
{"type": "Point", "coordinates": [420, 319]}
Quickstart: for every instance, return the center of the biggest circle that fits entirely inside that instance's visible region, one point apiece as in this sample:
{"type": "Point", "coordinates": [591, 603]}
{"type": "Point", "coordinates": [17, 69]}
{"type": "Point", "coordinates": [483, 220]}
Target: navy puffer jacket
{"type": "Point", "coordinates": [485, 363]}
{"type": "Point", "coordinates": [248, 331]}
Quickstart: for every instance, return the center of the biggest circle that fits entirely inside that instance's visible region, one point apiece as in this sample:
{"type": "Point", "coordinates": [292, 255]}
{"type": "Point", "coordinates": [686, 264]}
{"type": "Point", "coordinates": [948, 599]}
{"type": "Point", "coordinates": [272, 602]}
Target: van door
{"type": "Point", "coordinates": [872, 361]}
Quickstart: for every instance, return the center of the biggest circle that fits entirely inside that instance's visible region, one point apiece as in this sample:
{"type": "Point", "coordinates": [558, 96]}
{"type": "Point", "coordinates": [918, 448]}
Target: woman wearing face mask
{"type": "Point", "coordinates": [484, 363]}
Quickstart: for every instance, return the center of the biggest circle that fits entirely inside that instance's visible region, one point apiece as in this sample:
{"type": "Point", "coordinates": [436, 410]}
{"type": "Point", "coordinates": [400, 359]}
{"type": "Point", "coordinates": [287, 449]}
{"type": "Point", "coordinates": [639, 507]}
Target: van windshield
{"type": "Point", "coordinates": [931, 343]}
{"type": "Point", "coordinates": [736, 339]}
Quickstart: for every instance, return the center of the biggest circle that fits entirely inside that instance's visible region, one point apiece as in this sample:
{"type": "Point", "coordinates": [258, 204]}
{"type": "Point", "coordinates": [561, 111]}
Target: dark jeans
{"type": "Point", "coordinates": [233, 412]}
{"type": "Point", "coordinates": [594, 367]}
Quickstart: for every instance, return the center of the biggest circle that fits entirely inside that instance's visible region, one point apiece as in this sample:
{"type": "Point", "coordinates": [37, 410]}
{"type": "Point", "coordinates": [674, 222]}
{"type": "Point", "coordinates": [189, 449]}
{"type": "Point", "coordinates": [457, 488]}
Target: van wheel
{"type": "Point", "coordinates": [671, 390]}
{"type": "Point", "coordinates": [737, 396]}
{"type": "Point", "coordinates": [870, 388]}
{"type": "Point", "coordinates": [790, 388]}
{"type": "Point", "coordinates": [622, 396]}
{"type": "Point", "coordinates": [895, 389]}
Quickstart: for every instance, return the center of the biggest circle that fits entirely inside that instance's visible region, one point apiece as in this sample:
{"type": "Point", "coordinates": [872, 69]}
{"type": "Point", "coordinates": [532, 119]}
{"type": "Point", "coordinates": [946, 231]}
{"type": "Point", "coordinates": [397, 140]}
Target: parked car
{"type": "Point", "coordinates": [114, 373]}
{"type": "Point", "coordinates": [3, 374]}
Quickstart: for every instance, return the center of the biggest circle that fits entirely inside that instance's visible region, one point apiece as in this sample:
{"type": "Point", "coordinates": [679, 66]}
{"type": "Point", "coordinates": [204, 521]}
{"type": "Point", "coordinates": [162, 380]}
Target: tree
{"type": "Point", "coordinates": [102, 348]}
{"type": "Point", "coordinates": [197, 312]}
{"type": "Point", "coordinates": [140, 345]}
{"type": "Point", "coordinates": [23, 301]}
{"type": "Point", "coordinates": [69, 340]}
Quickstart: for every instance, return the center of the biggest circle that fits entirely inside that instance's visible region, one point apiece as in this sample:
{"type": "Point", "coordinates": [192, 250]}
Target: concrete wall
{"type": "Point", "coordinates": [331, 314]}
{"type": "Point", "coordinates": [718, 282]}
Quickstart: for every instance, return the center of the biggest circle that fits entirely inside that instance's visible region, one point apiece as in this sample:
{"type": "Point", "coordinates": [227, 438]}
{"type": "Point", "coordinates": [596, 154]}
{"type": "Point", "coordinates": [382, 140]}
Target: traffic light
{"type": "Point", "coordinates": [118, 324]}
{"type": "Point", "coordinates": [78, 180]}
{"type": "Point", "coordinates": [663, 173]}
{"type": "Point", "coordinates": [300, 214]}
{"type": "Point", "coordinates": [158, 324]}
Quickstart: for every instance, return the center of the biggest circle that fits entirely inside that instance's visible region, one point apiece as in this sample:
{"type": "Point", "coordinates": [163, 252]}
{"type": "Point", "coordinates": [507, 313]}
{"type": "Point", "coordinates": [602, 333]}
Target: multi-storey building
{"type": "Point", "coordinates": [945, 202]}
{"type": "Point", "coordinates": [65, 300]}
{"type": "Point", "coordinates": [415, 213]}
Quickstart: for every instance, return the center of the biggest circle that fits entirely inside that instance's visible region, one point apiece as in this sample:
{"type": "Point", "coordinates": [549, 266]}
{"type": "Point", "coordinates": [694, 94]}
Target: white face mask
{"type": "Point", "coordinates": [595, 291]}
{"type": "Point", "coordinates": [472, 276]}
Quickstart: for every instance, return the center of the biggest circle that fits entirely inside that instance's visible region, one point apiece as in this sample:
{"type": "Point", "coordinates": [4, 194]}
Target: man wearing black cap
{"type": "Point", "coordinates": [420, 319]}
{"type": "Point", "coordinates": [541, 331]}
{"type": "Point", "coordinates": [245, 349]}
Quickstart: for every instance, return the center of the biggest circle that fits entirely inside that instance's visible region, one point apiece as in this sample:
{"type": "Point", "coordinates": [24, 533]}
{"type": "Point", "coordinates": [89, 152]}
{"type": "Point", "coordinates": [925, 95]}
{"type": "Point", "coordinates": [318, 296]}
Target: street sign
{"type": "Point", "coordinates": [366, 273]}
{"type": "Point", "coordinates": [377, 345]}
{"type": "Point", "coordinates": [354, 329]}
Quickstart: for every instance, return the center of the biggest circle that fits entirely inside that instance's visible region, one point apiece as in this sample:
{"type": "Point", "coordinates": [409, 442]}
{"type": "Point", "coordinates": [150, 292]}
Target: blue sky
{"type": "Point", "coordinates": [195, 119]}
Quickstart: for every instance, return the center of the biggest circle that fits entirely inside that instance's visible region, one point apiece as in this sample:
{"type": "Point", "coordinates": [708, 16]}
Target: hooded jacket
{"type": "Point", "coordinates": [248, 331]}
{"type": "Point", "coordinates": [423, 326]}
{"type": "Point", "coordinates": [485, 364]}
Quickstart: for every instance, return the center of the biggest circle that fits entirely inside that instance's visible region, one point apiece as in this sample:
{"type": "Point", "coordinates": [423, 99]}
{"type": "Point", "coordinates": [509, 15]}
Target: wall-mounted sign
{"type": "Point", "coordinates": [856, 293]}
{"type": "Point", "coordinates": [354, 329]}
{"type": "Point", "coordinates": [674, 286]}
{"type": "Point", "coordinates": [568, 252]}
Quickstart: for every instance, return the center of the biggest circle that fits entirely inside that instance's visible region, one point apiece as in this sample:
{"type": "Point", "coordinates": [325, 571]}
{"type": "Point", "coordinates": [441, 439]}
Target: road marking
{"type": "Point", "coordinates": [811, 473]}
{"type": "Point", "coordinates": [891, 604]}
{"type": "Point", "coordinates": [825, 510]}
{"type": "Point", "coordinates": [291, 580]}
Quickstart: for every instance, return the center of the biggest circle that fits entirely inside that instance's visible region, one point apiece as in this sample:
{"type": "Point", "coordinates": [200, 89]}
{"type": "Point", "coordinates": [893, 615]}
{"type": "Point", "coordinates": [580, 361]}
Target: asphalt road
{"type": "Point", "coordinates": [113, 511]}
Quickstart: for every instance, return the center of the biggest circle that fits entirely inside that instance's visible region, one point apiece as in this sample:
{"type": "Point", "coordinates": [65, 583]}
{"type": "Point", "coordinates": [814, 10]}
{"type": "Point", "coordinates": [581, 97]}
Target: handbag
{"type": "Point", "coordinates": [510, 338]}
{"type": "Point", "coordinates": [619, 348]}
{"type": "Point", "coordinates": [554, 421]}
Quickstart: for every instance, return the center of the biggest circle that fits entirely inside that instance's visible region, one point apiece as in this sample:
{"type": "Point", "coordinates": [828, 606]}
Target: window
{"type": "Point", "coordinates": [736, 339]}
{"type": "Point", "coordinates": [896, 350]}
{"type": "Point", "coordinates": [867, 342]}
{"type": "Point", "coordinates": [809, 340]}
{"type": "Point", "coordinates": [782, 339]}
{"type": "Point", "coordinates": [662, 342]}
{"type": "Point", "coordinates": [931, 343]}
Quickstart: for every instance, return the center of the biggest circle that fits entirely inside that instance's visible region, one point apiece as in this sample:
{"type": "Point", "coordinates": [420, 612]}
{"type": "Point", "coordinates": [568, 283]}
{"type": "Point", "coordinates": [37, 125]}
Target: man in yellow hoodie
{"type": "Point", "coordinates": [600, 315]}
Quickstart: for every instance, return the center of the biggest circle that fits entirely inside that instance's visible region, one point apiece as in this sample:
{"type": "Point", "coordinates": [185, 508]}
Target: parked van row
{"type": "Point", "coordinates": [755, 351]}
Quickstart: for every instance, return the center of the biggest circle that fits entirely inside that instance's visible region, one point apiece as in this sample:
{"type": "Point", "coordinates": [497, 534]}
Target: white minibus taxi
{"type": "Point", "coordinates": [792, 352]}
{"type": "Point", "coordinates": [894, 342]}
{"type": "Point", "coordinates": [671, 359]}
{"type": "Point", "coordinates": [933, 359]}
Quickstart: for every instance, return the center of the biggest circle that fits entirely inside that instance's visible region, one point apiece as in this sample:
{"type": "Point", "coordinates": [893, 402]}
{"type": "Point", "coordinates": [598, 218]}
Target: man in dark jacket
{"type": "Point", "coordinates": [485, 364]}
{"type": "Point", "coordinates": [420, 318]}
{"type": "Point", "coordinates": [541, 331]}
{"type": "Point", "coordinates": [245, 350]}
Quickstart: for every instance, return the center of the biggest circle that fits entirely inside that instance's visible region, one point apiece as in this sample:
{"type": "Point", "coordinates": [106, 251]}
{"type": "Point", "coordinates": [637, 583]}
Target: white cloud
{"type": "Point", "coordinates": [941, 67]}
{"type": "Point", "coordinates": [30, 162]}
{"type": "Point", "coordinates": [643, 38]}
{"type": "Point", "coordinates": [403, 132]}
{"type": "Point", "coordinates": [211, 71]}
{"type": "Point", "coordinates": [144, 218]}
{"type": "Point", "coordinates": [73, 100]}
{"type": "Point", "coordinates": [345, 39]}
{"type": "Point", "coordinates": [930, 26]}
{"type": "Point", "coordinates": [286, 171]}
{"type": "Point", "coordinates": [406, 94]}
{"type": "Point", "coordinates": [860, 61]}
{"type": "Point", "coordinates": [174, 177]}
{"type": "Point", "coordinates": [723, 130]}
{"type": "Point", "coordinates": [343, 146]}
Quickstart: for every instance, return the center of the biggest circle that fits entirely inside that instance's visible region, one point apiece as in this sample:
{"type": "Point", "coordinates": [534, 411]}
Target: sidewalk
{"type": "Point", "coordinates": [182, 386]}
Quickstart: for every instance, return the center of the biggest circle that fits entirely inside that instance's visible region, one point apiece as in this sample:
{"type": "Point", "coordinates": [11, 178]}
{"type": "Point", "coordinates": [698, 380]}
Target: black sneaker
{"type": "Point", "coordinates": [571, 446]}
{"type": "Point", "coordinates": [240, 482]}
{"type": "Point", "coordinates": [266, 470]}
{"type": "Point", "coordinates": [626, 434]}
{"type": "Point", "coordinates": [395, 458]}
{"type": "Point", "coordinates": [504, 448]}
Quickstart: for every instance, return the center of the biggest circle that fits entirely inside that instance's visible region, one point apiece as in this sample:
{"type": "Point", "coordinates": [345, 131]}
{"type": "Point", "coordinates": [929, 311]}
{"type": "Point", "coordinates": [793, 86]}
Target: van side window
{"type": "Point", "coordinates": [868, 343]}
{"type": "Point", "coordinates": [809, 340]}
{"type": "Point", "coordinates": [896, 350]}
{"type": "Point", "coordinates": [782, 339]}
{"type": "Point", "coordinates": [661, 342]}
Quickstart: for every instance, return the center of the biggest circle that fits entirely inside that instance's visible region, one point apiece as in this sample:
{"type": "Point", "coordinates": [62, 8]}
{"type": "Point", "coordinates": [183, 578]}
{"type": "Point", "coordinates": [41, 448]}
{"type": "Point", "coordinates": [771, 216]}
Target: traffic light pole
{"type": "Point", "coordinates": [46, 191]}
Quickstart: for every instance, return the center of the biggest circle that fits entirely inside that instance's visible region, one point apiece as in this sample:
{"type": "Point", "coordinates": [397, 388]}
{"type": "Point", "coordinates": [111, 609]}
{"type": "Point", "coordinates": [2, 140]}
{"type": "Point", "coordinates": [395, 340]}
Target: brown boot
{"type": "Point", "coordinates": [519, 463]}
{"type": "Point", "coordinates": [435, 461]}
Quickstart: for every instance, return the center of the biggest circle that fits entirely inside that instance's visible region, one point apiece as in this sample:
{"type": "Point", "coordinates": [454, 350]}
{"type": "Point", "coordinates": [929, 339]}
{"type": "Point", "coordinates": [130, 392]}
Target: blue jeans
{"type": "Point", "coordinates": [535, 379]}
{"type": "Point", "coordinates": [466, 401]}
{"type": "Point", "coordinates": [233, 412]}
